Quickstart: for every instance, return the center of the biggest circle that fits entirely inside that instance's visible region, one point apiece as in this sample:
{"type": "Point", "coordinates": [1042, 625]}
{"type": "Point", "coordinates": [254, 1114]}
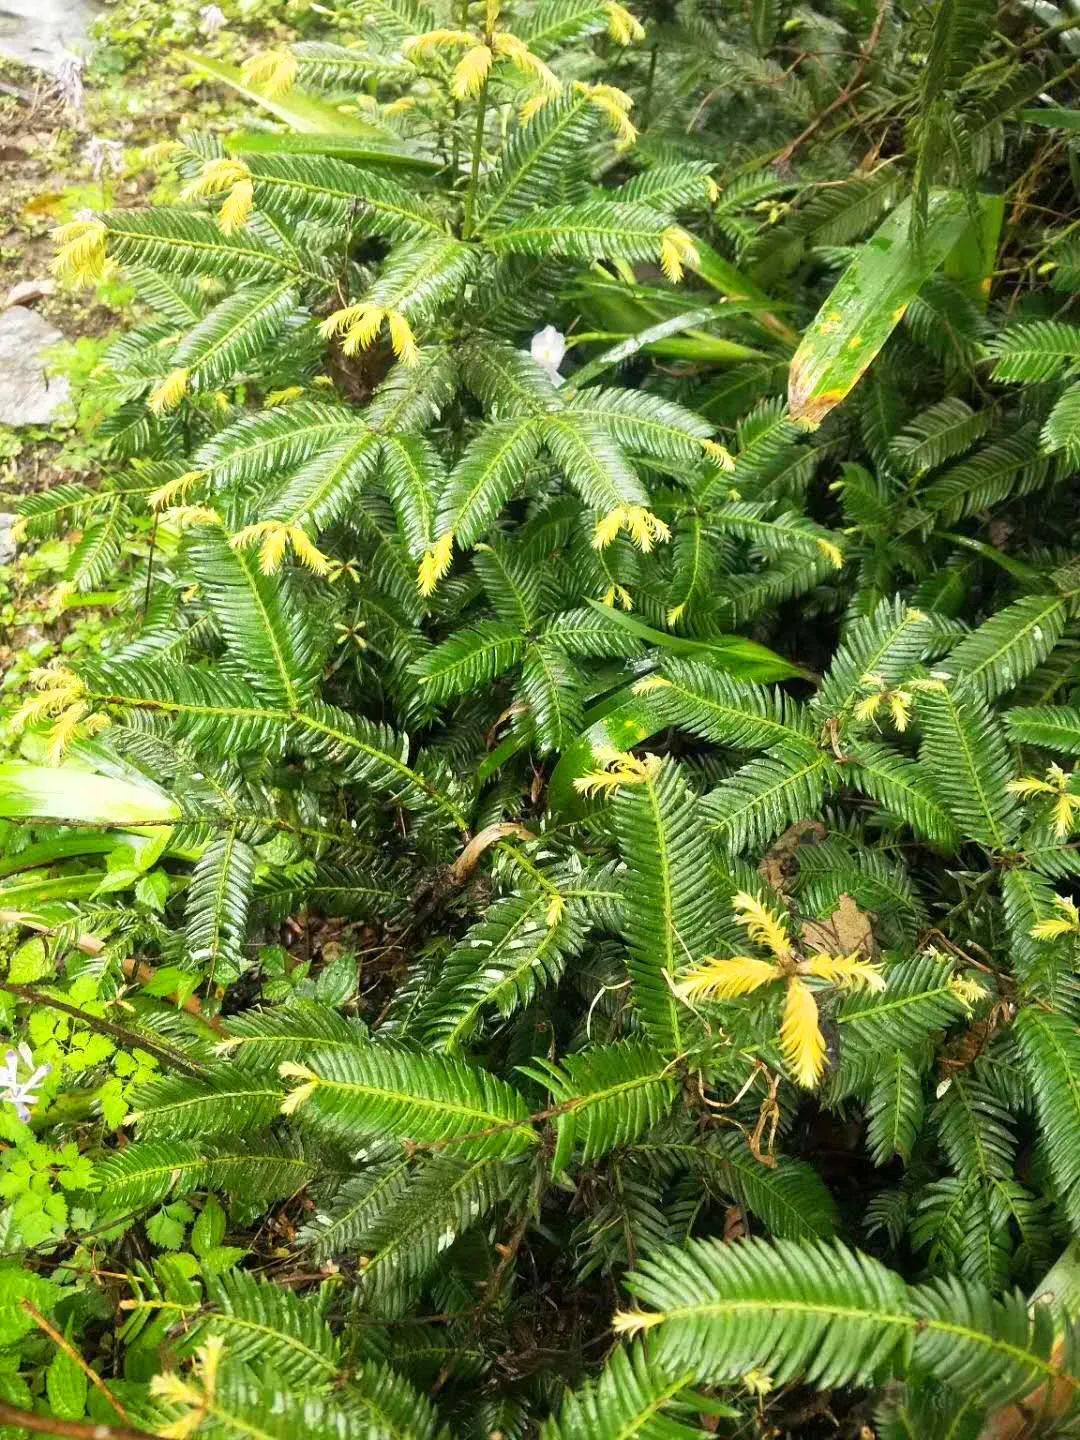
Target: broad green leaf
{"type": "Point", "coordinates": [380, 147]}
{"type": "Point", "coordinates": [867, 303]}
{"type": "Point", "coordinates": [1053, 117]}
{"type": "Point", "coordinates": [68, 793]}
{"type": "Point", "coordinates": [745, 659]}
{"type": "Point", "coordinates": [302, 112]}
{"type": "Point", "coordinates": [973, 258]}
{"type": "Point", "coordinates": [730, 281]}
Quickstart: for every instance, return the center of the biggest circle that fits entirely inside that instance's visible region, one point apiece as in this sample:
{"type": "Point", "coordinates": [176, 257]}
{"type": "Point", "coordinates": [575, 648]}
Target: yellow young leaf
{"type": "Point", "coordinates": [762, 924]}
{"type": "Point", "coordinates": [614, 105]}
{"type": "Point", "coordinates": [174, 490]}
{"type": "Point", "coordinates": [80, 257]}
{"type": "Point", "coordinates": [623, 27]}
{"type": "Point", "coordinates": [364, 329]}
{"type": "Point", "coordinates": [518, 53]}
{"type": "Point", "coordinates": [215, 178]}
{"type": "Point", "coordinates": [402, 338]}
{"type": "Point", "coordinates": [801, 1040]}
{"type": "Point", "coordinates": [436, 40]}
{"type": "Point", "coordinates": [168, 393]}
{"type": "Point", "coordinates": [273, 72]}
{"type": "Point", "coordinates": [847, 972]}
{"type": "Point", "coordinates": [620, 768]}
{"type": "Point", "coordinates": [632, 1322]}
{"type": "Point", "coordinates": [676, 250]}
{"type": "Point", "coordinates": [900, 709]}
{"type": "Point", "coordinates": [1029, 785]}
{"type": "Point", "coordinates": [307, 552]}
{"type": "Point", "coordinates": [471, 72]}
{"type": "Point", "coordinates": [645, 528]}
{"type": "Point", "coordinates": [435, 563]}
{"type": "Point", "coordinates": [341, 320]}
{"type": "Point", "coordinates": [237, 208]}
{"type": "Point", "coordinates": [719, 454]}
{"type": "Point", "coordinates": [1067, 923]}
{"type": "Point", "coordinates": [866, 709]}
{"type": "Point", "coordinates": [288, 1070]}
{"type": "Point", "coordinates": [727, 979]}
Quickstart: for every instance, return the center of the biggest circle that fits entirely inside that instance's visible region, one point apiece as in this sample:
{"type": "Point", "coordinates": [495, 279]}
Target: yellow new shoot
{"type": "Point", "coordinates": [363, 331]}
{"type": "Point", "coordinates": [644, 528]}
{"type": "Point", "coordinates": [80, 256]}
{"type": "Point", "coordinates": [272, 72]}
{"type": "Point", "coordinates": [275, 538]}
{"type": "Point", "coordinates": [619, 768]}
{"type": "Point", "coordinates": [649, 684]}
{"type": "Point", "coordinates": [1066, 805]}
{"type": "Point", "coordinates": [614, 105]}
{"type": "Point", "coordinates": [435, 563]}
{"type": "Point", "coordinates": [846, 972]}
{"type": "Point", "coordinates": [762, 924]}
{"type": "Point", "coordinates": [801, 1041]}
{"type": "Point", "coordinates": [236, 211]}
{"type": "Point", "coordinates": [161, 151]}
{"type": "Point", "coordinates": [632, 1322]}
{"type": "Point", "coordinates": [900, 709]}
{"type": "Point", "coordinates": [174, 490]}
{"type": "Point", "coordinates": [623, 27]}
{"type": "Point", "coordinates": [169, 1387]}
{"type": "Point", "coordinates": [168, 393]}
{"type": "Point", "coordinates": [719, 454]}
{"type": "Point", "coordinates": [898, 701]}
{"type": "Point", "coordinates": [966, 990]}
{"type": "Point", "coordinates": [282, 397]}
{"type": "Point", "coordinates": [402, 338]}
{"type": "Point", "coordinates": [676, 250]}
{"type": "Point", "coordinates": [436, 40]}
{"type": "Point", "coordinates": [215, 178]}
{"type": "Point", "coordinates": [727, 979]}
{"type": "Point", "coordinates": [832, 552]}
{"type": "Point", "coordinates": [556, 909]}
{"type": "Point", "coordinates": [1067, 923]}
{"type": "Point", "coordinates": [341, 320]}
{"type": "Point", "coordinates": [620, 594]}
{"type": "Point", "coordinates": [56, 690]}
{"type": "Point", "coordinates": [301, 1093]}
{"type": "Point", "coordinates": [534, 105]}
{"type": "Point", "coordinates": [521, 57]}
{"type": "Point", "coordinates": [471, 72]}
{"type": "Point", "coordinates": [63, 732]}
{"type": "Point", "coordinates": [184, 515]}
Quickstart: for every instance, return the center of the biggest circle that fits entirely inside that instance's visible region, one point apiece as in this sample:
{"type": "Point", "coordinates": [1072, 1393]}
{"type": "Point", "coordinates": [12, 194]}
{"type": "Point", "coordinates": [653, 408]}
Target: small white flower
{"type": "Point", "coordinates": [69, 82]}
{"type": "Point", "coordinates": [104, 155]}
{"type": "Point", "coordinates": [211, 19]}
{"type": "Point", "coordinates": [548, 349]}
{"type": "Point", "coordinates": [22, 1093]}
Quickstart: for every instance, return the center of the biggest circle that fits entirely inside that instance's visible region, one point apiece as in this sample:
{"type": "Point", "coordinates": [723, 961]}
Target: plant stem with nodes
{"type": "Point", "coordinates": [474, 171]}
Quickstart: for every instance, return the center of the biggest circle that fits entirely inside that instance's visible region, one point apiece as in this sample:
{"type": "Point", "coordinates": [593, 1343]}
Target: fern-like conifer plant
{"type": "Point", "coordinates": [552, 912]}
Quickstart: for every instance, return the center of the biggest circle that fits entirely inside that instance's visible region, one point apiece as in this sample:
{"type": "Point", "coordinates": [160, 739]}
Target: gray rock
{"type": "Point", "coordinates": [45, 33]}
{"type": "Point", "coordinates": [26, 397]}
{"type": "Point", "coordinates": [7, 540]}
{"type": "Point", "coordinates": [27, 291]}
